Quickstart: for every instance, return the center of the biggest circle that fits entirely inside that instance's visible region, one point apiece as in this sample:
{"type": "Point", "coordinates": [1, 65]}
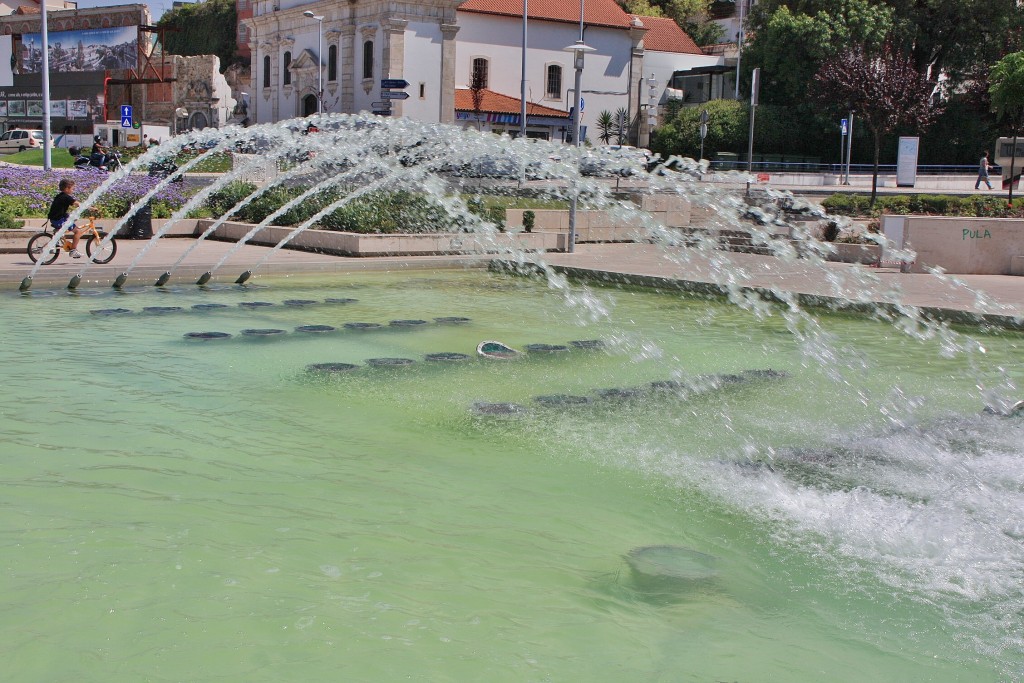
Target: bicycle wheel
{"type": "Point", "coordinates": [37, 244]}
{"type": "Point", "coordinates": [98, 253]}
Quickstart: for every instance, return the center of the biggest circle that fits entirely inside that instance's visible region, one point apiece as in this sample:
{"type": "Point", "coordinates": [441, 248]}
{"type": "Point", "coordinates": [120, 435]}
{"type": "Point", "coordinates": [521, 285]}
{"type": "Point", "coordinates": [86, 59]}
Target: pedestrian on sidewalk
{"type": "Point", "coordinates": [983, 171]}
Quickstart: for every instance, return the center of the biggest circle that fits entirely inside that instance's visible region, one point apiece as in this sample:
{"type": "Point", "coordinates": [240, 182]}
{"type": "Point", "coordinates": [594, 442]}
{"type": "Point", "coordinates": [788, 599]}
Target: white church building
{"type": "Point", "coordinates": [437, 46]}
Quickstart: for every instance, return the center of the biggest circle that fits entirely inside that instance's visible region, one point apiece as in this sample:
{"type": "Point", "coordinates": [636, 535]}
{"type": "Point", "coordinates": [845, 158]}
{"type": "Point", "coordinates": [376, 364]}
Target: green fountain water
{"type": "Point", "coordinates": [177, 509]}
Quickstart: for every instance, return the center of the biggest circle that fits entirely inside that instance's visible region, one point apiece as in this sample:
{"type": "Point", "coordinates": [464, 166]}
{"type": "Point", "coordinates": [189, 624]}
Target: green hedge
{"type": "Point", "coordinates": [986, 206]}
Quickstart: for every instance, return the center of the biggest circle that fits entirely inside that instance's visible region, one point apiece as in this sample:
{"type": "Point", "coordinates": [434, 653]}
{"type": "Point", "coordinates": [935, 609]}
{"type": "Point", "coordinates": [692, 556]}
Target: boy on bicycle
{"type": "Point", "coordinates": [60, 208]}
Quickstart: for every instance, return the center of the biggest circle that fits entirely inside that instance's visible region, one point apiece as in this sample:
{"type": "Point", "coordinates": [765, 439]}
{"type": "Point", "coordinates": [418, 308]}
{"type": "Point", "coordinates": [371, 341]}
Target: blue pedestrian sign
{"type": "Point", "coordinates": [843, 126]}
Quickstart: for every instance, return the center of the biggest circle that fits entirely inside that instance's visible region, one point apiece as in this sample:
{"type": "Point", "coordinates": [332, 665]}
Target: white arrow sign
{"type": "Point", "coordinates": [394, 95]}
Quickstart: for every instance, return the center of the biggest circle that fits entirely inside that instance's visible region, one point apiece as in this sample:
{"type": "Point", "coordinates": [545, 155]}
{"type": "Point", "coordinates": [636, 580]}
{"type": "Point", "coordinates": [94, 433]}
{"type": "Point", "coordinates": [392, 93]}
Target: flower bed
{"type": "Point", "coordinates": [27, 192]}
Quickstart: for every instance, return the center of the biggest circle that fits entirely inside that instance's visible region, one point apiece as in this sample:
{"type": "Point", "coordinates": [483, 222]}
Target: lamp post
{"type": "Point", "coordinates": [579, 49]}
{"type": "Point", "coordinates": [319, 59]}
{"type": "Point", "coordinates": [47, 165]}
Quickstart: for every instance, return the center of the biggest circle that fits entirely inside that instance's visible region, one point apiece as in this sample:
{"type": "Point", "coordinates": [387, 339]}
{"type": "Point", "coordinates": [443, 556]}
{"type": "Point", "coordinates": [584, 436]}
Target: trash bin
{"type": "Point", "coordinates": [142, 223]}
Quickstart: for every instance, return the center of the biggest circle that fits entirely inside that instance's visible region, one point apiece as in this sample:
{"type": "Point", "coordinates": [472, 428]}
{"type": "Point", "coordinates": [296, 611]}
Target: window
{"type": "Point", "coordinates": [479, 73]}
{"type": "Point", "coordinates": [423, 91]}
{"type": "Point", "coordinates": [243, 33]}
{"type": "Point", "coordinates": [266, 71]}
{"type": "Point", "coordinates": [554, 82]}
{"type": "Point", "coordinates": [332, 63]}
{"type": "Point", "coordinates": [286, 78]}
{"type": "Point", "coordinates": [368, 59]}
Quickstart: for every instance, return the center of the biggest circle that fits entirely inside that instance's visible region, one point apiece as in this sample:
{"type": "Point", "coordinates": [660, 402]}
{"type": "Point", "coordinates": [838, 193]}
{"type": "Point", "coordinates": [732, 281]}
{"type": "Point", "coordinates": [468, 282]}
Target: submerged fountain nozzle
{"type": "Point", "coordinates": [25, 285]}
{"type": "Point", "coordinates": [75, 281]}
{"type": "Point", "coordinates": [162, 280]}
{"type": "Point", "coordinates": [243, 277]}
{"type": "Point", "coordinates": [204, 278]}
{"type": "Point", "coordinates": [120, 280]}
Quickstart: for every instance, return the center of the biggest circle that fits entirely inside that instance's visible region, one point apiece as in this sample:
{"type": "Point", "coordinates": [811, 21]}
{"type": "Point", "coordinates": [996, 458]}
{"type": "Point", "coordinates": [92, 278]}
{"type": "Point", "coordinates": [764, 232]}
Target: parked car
{"type": "Point", "coordinates": [19, 139]}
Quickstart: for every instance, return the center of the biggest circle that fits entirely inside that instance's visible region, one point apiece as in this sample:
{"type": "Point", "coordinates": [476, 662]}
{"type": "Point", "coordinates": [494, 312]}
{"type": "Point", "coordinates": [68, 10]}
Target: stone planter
{"type": "Point", "coordinates": [868, 254]}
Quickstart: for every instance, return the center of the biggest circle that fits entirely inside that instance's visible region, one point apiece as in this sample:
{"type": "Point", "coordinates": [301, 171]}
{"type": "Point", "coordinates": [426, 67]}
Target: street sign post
{"type": "Point", "coordinates": [381, 112]}
{"type": "Point", "coordinates": [393, 83]}
{"type": "Point", "coordinates": [380, 105]}
{"type": "Point", "coordinates": [394, 95]}
{"type": "Point", "coordinates": [843, 129]}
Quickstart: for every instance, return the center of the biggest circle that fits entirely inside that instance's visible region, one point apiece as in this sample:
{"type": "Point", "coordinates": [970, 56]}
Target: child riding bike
{"type": "Point", "coordinates": [60, 208]}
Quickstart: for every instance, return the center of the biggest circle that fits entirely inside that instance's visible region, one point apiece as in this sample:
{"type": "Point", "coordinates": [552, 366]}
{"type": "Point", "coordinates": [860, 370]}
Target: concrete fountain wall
{"type": "Point", "coordinates": [962, 246]}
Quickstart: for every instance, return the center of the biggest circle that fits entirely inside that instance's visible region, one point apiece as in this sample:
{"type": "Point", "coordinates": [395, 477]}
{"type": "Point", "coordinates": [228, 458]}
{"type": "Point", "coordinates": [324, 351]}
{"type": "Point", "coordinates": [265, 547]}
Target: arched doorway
{"type": "Point", "coordinates": [198, 121]}
{"type": "Point", "coordinates": [309, 105]}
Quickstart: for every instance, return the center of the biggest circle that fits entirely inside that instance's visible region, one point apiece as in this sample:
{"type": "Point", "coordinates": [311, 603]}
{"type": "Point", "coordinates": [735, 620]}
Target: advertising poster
{"type": "Point", "coordinates": [78, 109]}
{"type": "Point", "coordinates": [59, 109]}
{"type": "Point", "coordinates": [906, 161]}
{"type": "Point", "coordinates": [3, 107]}
{"type": "Point", "coordinates": [6, 72]}
{"type": "Point", "coordinates": [15, 107]}
{"type": "Point", "coordinates": [34, 108]}
{"type": "Point", "coordinates": [88, 50]}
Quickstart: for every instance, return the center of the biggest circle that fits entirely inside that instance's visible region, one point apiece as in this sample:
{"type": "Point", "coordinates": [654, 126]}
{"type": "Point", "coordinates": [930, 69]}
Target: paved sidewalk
{"type": "Point", "coordinates": [835, 284]}
{"type": "Point", "coordinates": [839, 285]}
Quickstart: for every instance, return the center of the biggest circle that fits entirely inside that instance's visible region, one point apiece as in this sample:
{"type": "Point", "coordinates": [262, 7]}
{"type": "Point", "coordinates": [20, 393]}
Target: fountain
{"type": "Point", "coordinates": [737, 489]}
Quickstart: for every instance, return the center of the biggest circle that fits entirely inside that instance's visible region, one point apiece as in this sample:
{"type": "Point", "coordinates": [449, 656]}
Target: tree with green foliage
{"type": "Point", "coordinates": [792, 39]}
{"type": "Point", "coordinates": [203, 28]}
{"type": "Point", "coordinates": [605, 126]}
{"type": "Point", "coordinates": [883, 88]}
{"type": "Point", "coordinates": [1006, 87]}
{"type": "Point", "coordinates": [691, 15]}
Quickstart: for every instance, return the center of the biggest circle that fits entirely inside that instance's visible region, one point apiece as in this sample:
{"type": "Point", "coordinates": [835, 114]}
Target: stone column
{"type": "Point", "coordinates": [636, 97]}
{"type": "Point", "coordinates": [447, 113]}
{"type": "Point", "coordinates": [393, 56]}
{"type": "Point", "coordinates": [348, 69]}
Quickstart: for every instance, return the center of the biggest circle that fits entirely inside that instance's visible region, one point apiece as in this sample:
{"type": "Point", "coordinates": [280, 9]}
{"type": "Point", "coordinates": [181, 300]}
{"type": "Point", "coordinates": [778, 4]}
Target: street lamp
{"type": "Point", "coordinates": [319, 59]}
{"type": "Point", "coordinates": [579, 49]}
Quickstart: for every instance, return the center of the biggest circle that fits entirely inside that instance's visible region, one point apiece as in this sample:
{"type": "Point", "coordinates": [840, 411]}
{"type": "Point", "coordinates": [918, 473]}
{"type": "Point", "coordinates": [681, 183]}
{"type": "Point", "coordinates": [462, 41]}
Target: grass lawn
{"type": "Point", "coordinates": [59, 158]}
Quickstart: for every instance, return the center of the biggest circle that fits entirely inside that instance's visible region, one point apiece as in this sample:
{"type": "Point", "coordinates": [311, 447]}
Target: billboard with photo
{"type": "Point", "coordinates": [97, 49]}
{"type": "Point", "coordinates": [59, 109]}
{"type": "Point", "coordinates": [76, 104]}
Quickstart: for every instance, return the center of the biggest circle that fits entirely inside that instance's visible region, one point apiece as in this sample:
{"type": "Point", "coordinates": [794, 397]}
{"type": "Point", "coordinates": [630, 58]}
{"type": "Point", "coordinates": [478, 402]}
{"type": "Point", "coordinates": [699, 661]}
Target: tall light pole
{"type": "Point", "coordinates": [522, 85]}
{"type": "Point", "coordinates": [739, 47]}
{"type": "Point", "coordinates": [579, 48]}
{"type": "Point", "coordinates": [47, 165]}
{"type": "Point", "coordinates": [319, 59]}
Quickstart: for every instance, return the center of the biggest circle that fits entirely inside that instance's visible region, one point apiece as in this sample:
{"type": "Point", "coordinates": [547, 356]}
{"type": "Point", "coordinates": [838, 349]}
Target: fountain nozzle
{"type": "Point", "coordinates": [162, 280]}
{"type": "Point", "coordinates": [243, 277]}
{"type": "Point", "coordinates": [75, 281]}
{"type": "Point", "coordinates": [204, 278]}
{"type": "Point", "coordinates": [120, 280]}
{"type": "Point", "coordinates": [25, 285]}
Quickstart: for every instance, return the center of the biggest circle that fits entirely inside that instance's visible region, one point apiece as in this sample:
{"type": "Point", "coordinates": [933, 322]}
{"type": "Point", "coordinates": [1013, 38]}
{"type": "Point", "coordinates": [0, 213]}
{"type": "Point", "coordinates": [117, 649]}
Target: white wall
{"type": "Point", "coordinates": [364, 101]}
{"type": "Point", "coordinates": [423, 65]}
{"type": "Point", "coordinates": [605, 72]}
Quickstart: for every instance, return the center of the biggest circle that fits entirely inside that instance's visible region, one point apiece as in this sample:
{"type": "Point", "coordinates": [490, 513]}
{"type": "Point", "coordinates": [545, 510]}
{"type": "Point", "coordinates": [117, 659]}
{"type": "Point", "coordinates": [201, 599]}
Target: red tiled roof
{"type": "Point", "coordinates": [664, 35]}
{"type": "Point", "coordinates": [495, 103]}
{"type": "Point", "coordinates": [27, 9]}
{"type": "Point", "coordinates": [595, 12]}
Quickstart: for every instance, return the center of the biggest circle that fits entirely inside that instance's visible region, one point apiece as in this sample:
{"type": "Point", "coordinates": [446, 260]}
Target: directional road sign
{"type": "Point", "coordinates": [396, 83]}
{"type": "Point", "coordinates": [126, 122]}
{"type": "Point", "coordinates": [382, 112]}
{"type": "Point", "coordinates": [394, 95]}
{"type": "Point", "coordinates": [380, 105]}
{"type": "Point", "coordinates": [126, 111]}
{"type": "Point", "coordinates": [703, 130]}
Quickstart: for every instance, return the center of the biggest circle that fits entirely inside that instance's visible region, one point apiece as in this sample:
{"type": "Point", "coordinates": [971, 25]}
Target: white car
{"type": "Point", "coordinates": [18, 140]}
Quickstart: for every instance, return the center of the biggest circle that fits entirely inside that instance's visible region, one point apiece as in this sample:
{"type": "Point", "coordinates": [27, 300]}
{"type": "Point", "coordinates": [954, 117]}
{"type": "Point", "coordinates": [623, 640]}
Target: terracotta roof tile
{"type": "Point", "coordinates": [495, 103]}
{"type": "Point", "coordinates": [27, 9]}
{"type": "Point", "coordinates": [595, 12]}
{"type": "Point", "coordinates": [664, 35]}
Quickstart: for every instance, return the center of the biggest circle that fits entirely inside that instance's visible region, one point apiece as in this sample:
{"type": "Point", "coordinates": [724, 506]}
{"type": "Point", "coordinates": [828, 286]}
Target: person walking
{"type": "Point", "coordinates": [983, 171]}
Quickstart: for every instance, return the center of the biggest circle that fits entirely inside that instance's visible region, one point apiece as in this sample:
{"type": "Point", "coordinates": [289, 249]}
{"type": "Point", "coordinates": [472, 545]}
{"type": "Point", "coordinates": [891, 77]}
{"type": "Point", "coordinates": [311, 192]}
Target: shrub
{"type": "Point", "coordinates": [388, 212]}
{"type": "Point", "coordinates": [223, 200]}
{"type": "Point", "coordinates": [529, 220]}
{"type": "Point", "coordinates": [7, 222]}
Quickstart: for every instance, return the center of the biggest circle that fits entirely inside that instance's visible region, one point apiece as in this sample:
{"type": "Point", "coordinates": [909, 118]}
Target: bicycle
{"type": "Point", "coordinates": [95, 249]}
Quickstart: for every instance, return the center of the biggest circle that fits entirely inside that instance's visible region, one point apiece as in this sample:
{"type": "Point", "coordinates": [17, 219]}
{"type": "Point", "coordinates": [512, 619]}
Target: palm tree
{"type": "Point", "coordinates": [606, 125]}
{"type": "Point", "coordinates": [1006, 87]}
